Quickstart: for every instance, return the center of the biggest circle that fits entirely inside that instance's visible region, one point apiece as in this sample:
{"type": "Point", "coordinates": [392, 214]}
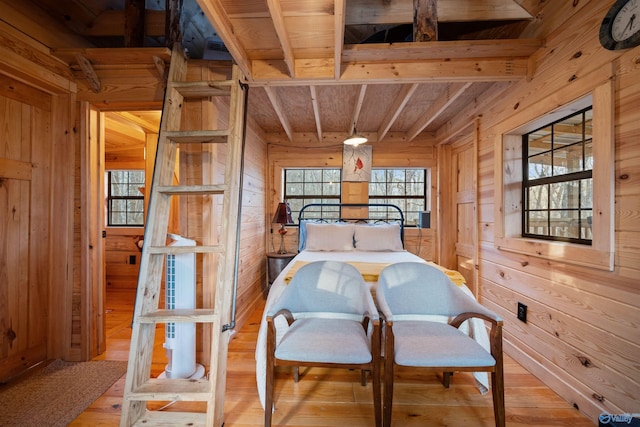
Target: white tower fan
{"type": "Point", "coordinates": [180, 292]}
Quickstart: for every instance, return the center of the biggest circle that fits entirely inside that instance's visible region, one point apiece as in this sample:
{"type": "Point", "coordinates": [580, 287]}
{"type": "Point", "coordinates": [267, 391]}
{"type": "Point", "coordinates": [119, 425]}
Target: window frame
{"type": "Point", "coordinates": [424, 196]}
{"type": "Point", "coordinates": [110, 198]}
{"type": "Point", "coordinates": [508, 194]}
{"type": "Point", "coordinates": [312, 198]}
{"type": "Point", "coordinates": [338, 199]}
{"type": "Point", "coordinates": [566, 178]}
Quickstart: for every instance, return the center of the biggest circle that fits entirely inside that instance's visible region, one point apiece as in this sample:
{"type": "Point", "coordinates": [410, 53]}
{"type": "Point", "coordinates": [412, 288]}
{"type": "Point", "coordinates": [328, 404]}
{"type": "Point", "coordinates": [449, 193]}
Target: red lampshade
{"type": "Point", "coordinates": [283, 214]}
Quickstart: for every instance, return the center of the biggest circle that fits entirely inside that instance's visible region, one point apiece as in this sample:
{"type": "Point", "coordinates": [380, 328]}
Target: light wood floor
{"type": "Point", "coordinates": [335, 397]}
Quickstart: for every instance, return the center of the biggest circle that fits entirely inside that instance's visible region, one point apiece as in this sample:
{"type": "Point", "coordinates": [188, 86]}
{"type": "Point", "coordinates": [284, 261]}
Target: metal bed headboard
{"type": "Point", "coordinates": [393, 214]}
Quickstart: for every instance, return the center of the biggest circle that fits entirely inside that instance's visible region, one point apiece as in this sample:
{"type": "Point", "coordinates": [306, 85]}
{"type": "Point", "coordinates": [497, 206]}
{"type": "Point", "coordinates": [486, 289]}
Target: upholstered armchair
{"type": "Point", "coordinates": [331, 321]}
{"type": "Point", "coordinates": [413, 299]}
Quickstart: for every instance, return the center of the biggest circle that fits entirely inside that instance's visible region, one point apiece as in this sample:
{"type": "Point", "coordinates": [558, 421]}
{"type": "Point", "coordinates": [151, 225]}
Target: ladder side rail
{"type": "Point", "coordinates": [149, 276]}
{"type": "Point", "coordinates": [224, 290]}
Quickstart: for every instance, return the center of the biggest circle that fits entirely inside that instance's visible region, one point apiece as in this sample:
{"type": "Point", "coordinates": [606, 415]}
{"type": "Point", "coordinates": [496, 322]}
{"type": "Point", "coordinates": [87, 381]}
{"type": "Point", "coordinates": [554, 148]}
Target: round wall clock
{"type": "Point", "coordinates": [620, 28]}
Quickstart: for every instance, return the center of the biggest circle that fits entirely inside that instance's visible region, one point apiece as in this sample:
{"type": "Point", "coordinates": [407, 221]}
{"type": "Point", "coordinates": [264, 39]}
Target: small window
{"type": "Point", "coordinates": [557, 184]}
{"type": "Point", "coordinates": [304, 186]}
{"type": "Point", "coordinates": [555, 193]}
{"type": "Point", "coordinates": [405, 188]}
{"type": "Point", "coordinates": [125, 201]}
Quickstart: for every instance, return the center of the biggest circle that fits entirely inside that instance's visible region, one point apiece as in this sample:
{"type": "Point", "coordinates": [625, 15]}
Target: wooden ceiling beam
{"type": "Point", "coordinates": [340, 7]}
{"type": "Point", "coordinates": [316, 111]}
{"type": "Point", "coordinates": [486, 10]}
{"type": "Point", "coordinates": [357, 109]}
{"type": "Point", "coordinates": [89, 72]}
{"type": "Point", "coordinates": [278, 23]}
{"type": "Point", "coordinates": [284, 121]}
{"type": "Point", "coordinates": [147, 126]}
{"type": "Point", "coordinates": [217, 15]}
{"type": "Point", "coordinates": [453, 92]}
{"type": "Point", "coordinates": [115, 56]}
{"type": "Point", "coordinates": [385, 72]}
{"type": "Point", "coordinates": [442, 50]}
{"type": "Point", "coordinates": [366, 12]}
{"type": "Point", "coordinates": [395, 110]}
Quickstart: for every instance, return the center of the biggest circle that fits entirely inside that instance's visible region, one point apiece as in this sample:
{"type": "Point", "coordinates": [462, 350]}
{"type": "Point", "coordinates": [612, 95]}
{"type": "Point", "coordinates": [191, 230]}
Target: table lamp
{"type": "Point", "coordinates": [282, 217]}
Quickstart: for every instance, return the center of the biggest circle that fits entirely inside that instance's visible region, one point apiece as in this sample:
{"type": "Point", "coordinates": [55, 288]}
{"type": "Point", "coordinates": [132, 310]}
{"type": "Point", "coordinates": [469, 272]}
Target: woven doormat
{"type": "Point", "coordinates": [58, 393]}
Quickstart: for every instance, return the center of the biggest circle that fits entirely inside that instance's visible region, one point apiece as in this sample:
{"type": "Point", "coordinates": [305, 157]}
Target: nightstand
{"type": "Point", "coordinates": [276, 262]}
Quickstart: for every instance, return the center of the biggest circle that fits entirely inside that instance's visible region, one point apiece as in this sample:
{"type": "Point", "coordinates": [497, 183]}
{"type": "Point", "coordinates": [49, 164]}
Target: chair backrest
{"type": "Point", "coordinates": [326, 286]}
{"type": "Point", "coordinates": [416, 288]}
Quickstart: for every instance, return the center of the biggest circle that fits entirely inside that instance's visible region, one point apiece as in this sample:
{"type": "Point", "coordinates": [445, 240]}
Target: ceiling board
{"type": "Point", "coordinates": [483, 46]}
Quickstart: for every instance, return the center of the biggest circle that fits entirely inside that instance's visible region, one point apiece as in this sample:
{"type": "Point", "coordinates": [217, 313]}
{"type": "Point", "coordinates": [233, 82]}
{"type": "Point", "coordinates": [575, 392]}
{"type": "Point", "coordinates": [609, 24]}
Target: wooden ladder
{"type": "Point", "coordinates": [140, 388]}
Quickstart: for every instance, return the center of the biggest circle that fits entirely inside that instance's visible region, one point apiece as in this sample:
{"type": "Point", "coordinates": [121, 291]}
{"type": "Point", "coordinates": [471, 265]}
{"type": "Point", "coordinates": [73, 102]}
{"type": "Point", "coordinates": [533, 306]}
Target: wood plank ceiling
{"type": "Point", "coordinates": [324, 67]}
{"type": "Point", "coordinates": [317, 68]}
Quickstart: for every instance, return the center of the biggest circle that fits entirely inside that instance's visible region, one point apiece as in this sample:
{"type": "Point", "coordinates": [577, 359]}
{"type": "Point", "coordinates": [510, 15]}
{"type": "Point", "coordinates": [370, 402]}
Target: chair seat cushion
{"type": "Point", "coordinates": [435, 344]}
{"type": "Point", "coordinates": [323, 340]}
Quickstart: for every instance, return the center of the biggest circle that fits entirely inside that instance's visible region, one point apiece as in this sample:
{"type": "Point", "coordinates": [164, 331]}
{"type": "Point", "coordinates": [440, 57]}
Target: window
{"type": "Point", "coordinates": [551, 186]}
{"type": "Point", "coordinates": [557, 184]}
{"type": "Point", "coordinates": [304, 186]}
{"type": "Point", "coordinates": [125, 202]}
{"type": "Point", "coordinates": [405, 188]}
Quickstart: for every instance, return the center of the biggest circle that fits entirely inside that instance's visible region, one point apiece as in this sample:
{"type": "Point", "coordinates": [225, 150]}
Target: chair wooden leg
{"type": "Point", "coordinates": [296, 374]}
{"type": "Point", "coordinates": [497, 391]}
{"type": "Point", "coordinates": [389, 361]}
{"type": "Point", "coordinates": [270, 377]}
{"type": "Point", "coordinates": [446, 379]}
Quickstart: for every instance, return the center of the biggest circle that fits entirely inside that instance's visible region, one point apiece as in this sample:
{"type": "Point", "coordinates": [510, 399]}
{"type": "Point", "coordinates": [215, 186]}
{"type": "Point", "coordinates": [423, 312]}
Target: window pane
{"type": "Point", "coordinates": [125, 200]}
{"type": "Point", "coordinates": [331, 175]}
{"type": "Point", "coordinates": [557, 186]}
{"type": "Point", "coordinates": [538, 197]}
{"type": "Point", "coordinates": [331, 189]}
{"type": "Point", "coordinates": [586, 193]}
{"type": "Point", "coordinates": [585, 224]}
{"type": "Point", "coordinates": [568, 159]}
{"type": "Point", "coordinates": [538, 223]}
{"type": "Point", "coordinates": [588, 155]}
{"type": "Point", "coordinates": [564, 195]}
{"type": "Point", "coordinates": [539, 141]}
{"type": "Point", "coordinates": [293, 175]}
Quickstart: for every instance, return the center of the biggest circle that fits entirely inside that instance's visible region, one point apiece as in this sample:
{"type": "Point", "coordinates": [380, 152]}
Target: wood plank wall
{"type": "Point", "coordinates": [582, 337]}
{"type": "Point", "coordinates": [392, 152]}
{"type": "Point", "coordinates": [36, 206]}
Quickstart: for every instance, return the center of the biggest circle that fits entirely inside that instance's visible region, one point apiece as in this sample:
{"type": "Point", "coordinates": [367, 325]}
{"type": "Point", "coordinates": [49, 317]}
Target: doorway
{"type": "Point", "coordinates": [458, 206]}
{"type": "Point", "coordinates": [129, 140]}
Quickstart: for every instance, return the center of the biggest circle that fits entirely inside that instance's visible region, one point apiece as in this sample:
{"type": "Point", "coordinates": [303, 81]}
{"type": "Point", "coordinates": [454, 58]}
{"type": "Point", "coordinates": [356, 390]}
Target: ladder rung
{"type": "Point", "coordinates": [192, 189]}
{"type": "Point", "coordinates": [174, 419]}
{"type": "Point", "coordinates": [173, 389]}
{"type": "Point", "coordinates": [204, 89]}
{"type": "Point", "coordinates": [199, 136]}
{"type": "Point", "coordinates": [186, 249]}
{"type": "Point", "coordinates": [195, 315]}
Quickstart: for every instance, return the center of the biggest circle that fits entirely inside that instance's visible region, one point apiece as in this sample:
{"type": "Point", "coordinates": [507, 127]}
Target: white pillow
{"type": "Point", "coordinates": [329, 237]}
{"type": "Point", "coordinates": [381, 237]}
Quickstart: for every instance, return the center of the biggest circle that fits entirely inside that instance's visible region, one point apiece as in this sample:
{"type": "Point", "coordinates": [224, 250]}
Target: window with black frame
{"type": "Point", "coordinates": [125, 201]}
{"type": "Point", "coordinates": [304, 186]}
{"type": "Point", "coordinates": [557, 187]}
{"type": "Point", "coordinates": [405, 188]}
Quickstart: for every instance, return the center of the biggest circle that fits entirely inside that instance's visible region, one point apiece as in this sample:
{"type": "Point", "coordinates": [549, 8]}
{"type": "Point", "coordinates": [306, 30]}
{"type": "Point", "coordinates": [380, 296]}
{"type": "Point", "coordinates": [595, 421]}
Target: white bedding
{"type": "Point", "coordinates": [475, 328]}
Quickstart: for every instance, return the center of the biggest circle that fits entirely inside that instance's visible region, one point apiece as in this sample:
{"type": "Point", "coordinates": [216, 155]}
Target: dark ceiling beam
{"type": "Point", "coordinates": [425, 20]}
{"type": "Point", "coordinates": [173, 33]}
{"type": "Point", "coordinates": [134, 23]}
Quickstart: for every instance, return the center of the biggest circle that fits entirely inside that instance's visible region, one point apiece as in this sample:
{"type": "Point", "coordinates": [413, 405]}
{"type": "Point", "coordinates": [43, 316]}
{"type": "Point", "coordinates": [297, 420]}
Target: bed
{"type": "Point", "coordinates": [369, 243]}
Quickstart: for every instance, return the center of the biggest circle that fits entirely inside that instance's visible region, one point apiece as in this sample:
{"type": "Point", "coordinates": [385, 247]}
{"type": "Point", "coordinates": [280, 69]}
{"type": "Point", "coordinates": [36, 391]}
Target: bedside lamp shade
{"type": "Point", "coordinates": [283, 214]}
{"type": "Point", "coordinates": [282, 217]}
